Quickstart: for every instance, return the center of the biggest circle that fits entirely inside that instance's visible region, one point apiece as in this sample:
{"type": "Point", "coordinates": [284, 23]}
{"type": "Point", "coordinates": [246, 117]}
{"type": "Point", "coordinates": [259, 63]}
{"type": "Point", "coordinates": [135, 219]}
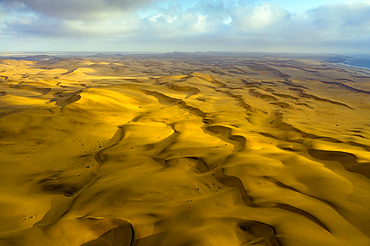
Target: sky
{"type": "Point", "coordinates": [315, 26]}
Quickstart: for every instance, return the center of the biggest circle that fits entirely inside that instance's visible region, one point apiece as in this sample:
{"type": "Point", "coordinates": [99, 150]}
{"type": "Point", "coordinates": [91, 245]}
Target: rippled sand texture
{"type": "Point", "coordinates": [191, 151]}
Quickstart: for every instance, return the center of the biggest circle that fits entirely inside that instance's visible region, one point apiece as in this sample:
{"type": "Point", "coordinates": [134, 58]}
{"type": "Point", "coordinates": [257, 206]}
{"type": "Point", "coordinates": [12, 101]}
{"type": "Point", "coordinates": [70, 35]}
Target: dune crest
{"type": "Point", "coordinates": [190, 151]}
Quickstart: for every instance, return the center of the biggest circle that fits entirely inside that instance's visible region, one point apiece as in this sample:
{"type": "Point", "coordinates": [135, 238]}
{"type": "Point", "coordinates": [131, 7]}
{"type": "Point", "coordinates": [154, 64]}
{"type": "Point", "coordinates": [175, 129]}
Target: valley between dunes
{"type": "Point", "coordinates": [184, 151]}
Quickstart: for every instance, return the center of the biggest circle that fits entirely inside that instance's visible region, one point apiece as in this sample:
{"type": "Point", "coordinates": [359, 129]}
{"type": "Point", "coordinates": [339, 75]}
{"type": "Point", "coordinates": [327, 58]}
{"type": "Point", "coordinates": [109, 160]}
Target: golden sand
{"type": "Point", "coordinates": [193, 151]}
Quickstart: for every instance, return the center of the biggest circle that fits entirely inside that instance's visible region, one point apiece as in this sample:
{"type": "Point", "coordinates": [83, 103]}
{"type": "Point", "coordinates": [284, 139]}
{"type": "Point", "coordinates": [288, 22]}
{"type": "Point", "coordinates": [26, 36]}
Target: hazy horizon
{"type": "Point", "coordinates": [15, 53]}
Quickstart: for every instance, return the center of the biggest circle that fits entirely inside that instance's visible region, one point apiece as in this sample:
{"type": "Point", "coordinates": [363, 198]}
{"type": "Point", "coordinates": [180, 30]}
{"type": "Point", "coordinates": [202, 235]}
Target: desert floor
{"type": "Point", "coordinates": [184, 151]}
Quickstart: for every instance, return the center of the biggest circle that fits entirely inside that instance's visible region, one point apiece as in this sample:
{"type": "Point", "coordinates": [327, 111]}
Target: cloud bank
{"type": "Point", "coordinates": [206, 25]}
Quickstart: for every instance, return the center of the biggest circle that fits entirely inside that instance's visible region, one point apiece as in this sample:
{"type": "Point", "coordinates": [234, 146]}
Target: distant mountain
{"type": "Point", "coordinates": [104, 56]}
{"type": "Point", "coordinates": [34, 58]}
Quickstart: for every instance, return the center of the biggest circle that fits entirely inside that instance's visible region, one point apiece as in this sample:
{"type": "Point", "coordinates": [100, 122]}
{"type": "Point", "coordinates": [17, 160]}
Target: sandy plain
{"type": "Point", "coordinates": [184, 151]}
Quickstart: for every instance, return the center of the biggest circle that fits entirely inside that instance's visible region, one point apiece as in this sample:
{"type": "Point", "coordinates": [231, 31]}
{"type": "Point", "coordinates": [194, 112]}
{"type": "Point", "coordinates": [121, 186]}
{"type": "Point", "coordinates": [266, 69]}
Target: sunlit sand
{"type": "Point", "coordinates": [192, 151]}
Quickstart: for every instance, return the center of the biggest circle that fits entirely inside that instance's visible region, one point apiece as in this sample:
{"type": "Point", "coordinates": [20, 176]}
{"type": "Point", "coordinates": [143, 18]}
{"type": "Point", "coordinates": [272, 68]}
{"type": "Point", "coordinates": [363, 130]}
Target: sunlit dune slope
{"type": "Point", "coordinates": [195, 151]}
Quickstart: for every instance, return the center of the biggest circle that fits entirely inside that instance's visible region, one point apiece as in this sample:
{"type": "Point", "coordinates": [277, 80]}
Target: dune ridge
{"type": "Point", "coordinates": [187, 151]}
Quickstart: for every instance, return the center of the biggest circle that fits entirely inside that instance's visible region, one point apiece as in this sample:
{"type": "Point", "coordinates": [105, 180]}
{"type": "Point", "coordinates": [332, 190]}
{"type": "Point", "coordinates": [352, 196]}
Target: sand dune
{"type": "Point", "coordinates": [192, 151]}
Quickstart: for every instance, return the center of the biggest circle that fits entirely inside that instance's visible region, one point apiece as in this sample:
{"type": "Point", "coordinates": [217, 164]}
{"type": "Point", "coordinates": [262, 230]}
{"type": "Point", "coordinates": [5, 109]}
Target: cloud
{"type": "Point", "coordinates": [75, 9]}
{"type": "Point", "coordinates": [343, 20]}
{"type": "Point", "coordinates": [259, 17]}
{"type": "Point", "coordinates": [198, 20]}
{"type": "Point", "coordinates": [216, 24]}
{"type": "Point", "coordinates": [186, 23]}
{"type": "Point", "coordinates": [68, 18]}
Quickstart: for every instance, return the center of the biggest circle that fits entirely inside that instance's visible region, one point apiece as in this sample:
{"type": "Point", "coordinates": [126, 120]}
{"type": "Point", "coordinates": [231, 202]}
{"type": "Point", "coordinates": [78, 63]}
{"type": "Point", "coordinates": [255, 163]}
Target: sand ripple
{"type": "Point", "coordinates": [191, 151]}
